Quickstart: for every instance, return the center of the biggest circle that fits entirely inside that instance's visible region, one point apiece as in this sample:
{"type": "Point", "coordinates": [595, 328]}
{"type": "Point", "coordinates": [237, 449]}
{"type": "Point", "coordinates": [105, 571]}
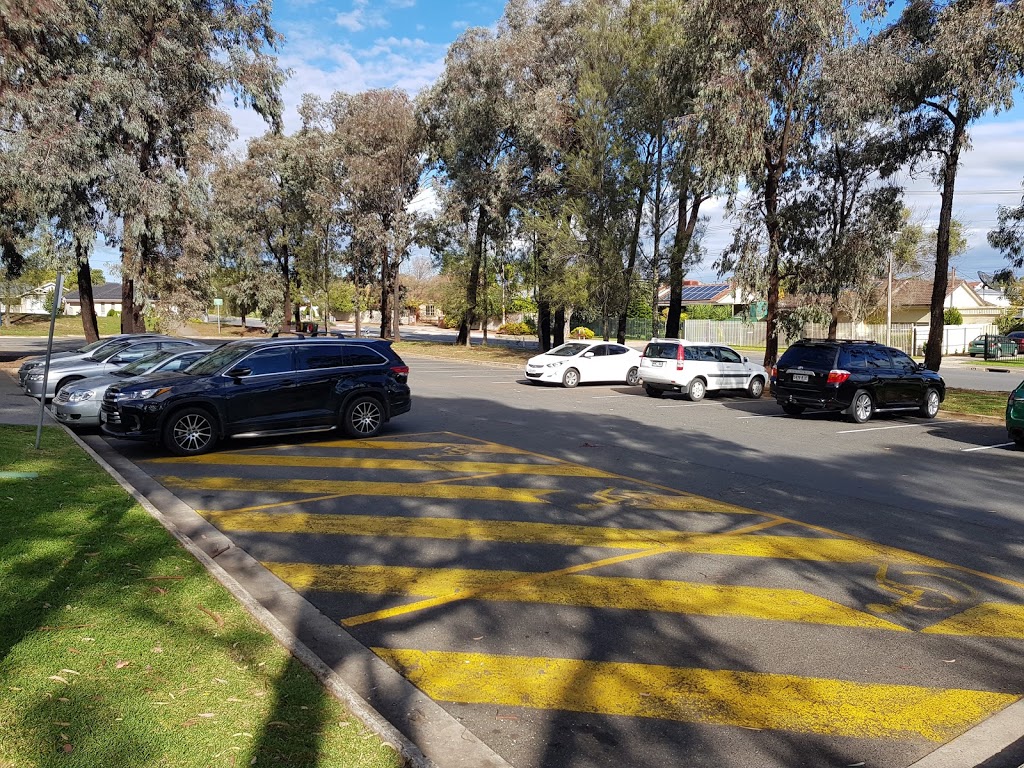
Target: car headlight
{"type": "Point", "coordinates": [142, 394]}
{"type": "Point", "coordinates": [556, 365]}
{"type": "Point", "coordinates": [30, 366]}
{"type": "Point", "coordinates": [79, 395]}
{"type": "Point", "coordinates": [35, 377]}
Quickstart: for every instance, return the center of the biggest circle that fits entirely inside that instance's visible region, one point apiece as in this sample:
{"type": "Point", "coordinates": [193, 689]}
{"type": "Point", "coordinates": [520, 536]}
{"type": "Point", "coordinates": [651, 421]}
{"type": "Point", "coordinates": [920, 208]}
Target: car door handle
{"type": "Point", "coordinates": [287, 383]}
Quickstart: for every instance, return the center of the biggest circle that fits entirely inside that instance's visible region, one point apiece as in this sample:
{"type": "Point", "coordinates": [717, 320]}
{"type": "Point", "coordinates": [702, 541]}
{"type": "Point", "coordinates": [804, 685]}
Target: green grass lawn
{"type": "Point", "coordinates": [39, 325]}
{"type": "Point", "coordinates": [975, 402]}
{"type": "Point", "coordinates": [118, 649]}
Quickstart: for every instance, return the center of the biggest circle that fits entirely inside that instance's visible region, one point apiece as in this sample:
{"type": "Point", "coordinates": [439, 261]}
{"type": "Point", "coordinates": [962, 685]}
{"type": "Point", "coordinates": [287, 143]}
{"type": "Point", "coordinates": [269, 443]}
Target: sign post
{"type": "Point", "coordinates": [217, 303]}
{"type": "Point", "coordinates": [57, 291]}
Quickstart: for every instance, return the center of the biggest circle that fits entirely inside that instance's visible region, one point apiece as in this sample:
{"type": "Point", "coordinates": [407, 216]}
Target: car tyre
{"type": "Point", "coordinates": [633, 377]}
{"type": "Point", "coordinates": [696, 390]}
{"type": "Point", "coordinates": [863, 407]}
{"type": "Point", "coordinates": [190, 432]}
{"type": "Point", "coordinates": [653, 391]}
{"type": "Point", "coordinates": [792, 410]}
{"type": "Point", "coordinates": [364, 417]}
{"type": "Point", "coordinates": [930, 406]}
{"type": "Point", "coordinates": [571, 378]}
{"type": "Point", "coordinates": [755, 388]}
{"type": "Point", "coordinates": [1020, 442]}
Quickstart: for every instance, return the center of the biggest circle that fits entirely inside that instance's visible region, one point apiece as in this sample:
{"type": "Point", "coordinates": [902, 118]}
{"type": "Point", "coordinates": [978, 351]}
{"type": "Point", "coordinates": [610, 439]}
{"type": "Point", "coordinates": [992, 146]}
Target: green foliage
{"type": "Point", "coordinates": [48, 301]}
{"type": "Point", "coordinates": [952, 316]}
{"type": "Point", "coordinates": [515, 329]}
{"type": "Point", "coordinates": [708, 312]}
{"type": "Point", "coordinates": [113, 313]}
{"type": "Point", "coordinates": [582, 332]}
{"type": "Point", "coordinates": [1009, 320]}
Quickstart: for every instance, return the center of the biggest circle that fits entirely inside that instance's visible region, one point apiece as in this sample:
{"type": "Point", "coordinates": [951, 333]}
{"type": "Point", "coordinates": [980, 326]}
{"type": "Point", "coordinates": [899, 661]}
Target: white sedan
{"type": "Point", "coordinates": [585, 361]}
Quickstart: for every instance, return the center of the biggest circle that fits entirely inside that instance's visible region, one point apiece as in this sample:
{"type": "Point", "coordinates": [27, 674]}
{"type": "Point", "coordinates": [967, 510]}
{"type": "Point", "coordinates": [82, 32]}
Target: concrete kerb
{"type": "Point", "coordinates": [441, 740]}
{"type": "Point", "coordinates": [980, 744]}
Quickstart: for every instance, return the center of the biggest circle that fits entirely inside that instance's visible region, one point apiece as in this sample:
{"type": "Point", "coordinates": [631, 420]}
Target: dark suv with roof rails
{"type": "Point", "coordinates": [257, 387]}
{"type": "Point", "coordinates": [857, 378]}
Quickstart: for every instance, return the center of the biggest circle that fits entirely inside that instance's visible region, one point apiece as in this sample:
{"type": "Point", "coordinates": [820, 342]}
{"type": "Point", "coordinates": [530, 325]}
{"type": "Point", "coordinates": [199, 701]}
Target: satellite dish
{"type": "Point", "coordinates": [989, 280]}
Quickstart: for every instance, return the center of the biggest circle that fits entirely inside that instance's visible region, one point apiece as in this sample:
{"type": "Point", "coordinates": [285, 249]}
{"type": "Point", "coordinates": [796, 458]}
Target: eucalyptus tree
{"type": "Point", "coordinates": [766, 64]}
{"type": "Point", "coordinates": [470, 138]}
{"type": "Point", "coordinates": [937, 68]}
{"type": "Point", "coordinates": [169, 65]}
{"type": "Point", "coordinates": [1008, 237]}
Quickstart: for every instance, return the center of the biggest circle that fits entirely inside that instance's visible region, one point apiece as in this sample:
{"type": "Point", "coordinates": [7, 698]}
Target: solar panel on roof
{"type": "Point", "coordinates": [702, 292]}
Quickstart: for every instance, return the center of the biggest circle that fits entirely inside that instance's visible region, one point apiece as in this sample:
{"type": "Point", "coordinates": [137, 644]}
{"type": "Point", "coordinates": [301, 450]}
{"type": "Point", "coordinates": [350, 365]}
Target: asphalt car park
{"type": "Point", "coordinates": [590, 577]}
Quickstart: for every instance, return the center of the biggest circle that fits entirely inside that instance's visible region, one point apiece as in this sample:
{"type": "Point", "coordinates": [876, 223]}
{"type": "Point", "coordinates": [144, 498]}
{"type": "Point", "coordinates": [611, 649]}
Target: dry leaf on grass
{"type": "Point", "coordinates": [58, 678]}
{"type": "Point", "coordinates": [122, 664]}
{"type": "Point", "coordinates": [215, 616]}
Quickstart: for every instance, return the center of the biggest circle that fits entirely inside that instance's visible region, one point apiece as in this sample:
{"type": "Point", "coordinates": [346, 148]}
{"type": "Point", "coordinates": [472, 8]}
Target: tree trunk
{"type": "Point", "coordinates": [133, 266]}
{"type": "Point", "coordinates": [559, 326]}
{"type": "Point", "coordinates": [385, 296]}
{"type": "Point", "coordinates": [544, 325]}
{"type": "Point", "coordinates": [358, 301]}
{"type": "Point", "coordinates": [833, 327]}
{"type": "Point", "coordinates": [771, 202]}
{"type": "Point", "coordinates": [474, 280]}
{"type": "Point", "coordinates": [89, 323]}
{"type": "Point", "coordinates": [686, 224]}
{"type": "Point", "coordinates": [627, 272]}
{"type": "Point", "coordinates": [936, 330]}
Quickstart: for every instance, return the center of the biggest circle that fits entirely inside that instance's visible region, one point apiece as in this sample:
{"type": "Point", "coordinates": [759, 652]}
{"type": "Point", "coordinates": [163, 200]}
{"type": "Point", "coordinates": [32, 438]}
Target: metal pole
{"type": "Point", "coordinates": [49, 351]}
{"type": "Point", "coordinates": [218, 320]}
{"type": "Point", "coordinates": [888, 308]}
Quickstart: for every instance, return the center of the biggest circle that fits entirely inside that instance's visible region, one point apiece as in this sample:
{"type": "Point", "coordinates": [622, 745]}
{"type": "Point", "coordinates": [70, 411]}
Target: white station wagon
{"type": "Point", "coordinates": [695, 367]}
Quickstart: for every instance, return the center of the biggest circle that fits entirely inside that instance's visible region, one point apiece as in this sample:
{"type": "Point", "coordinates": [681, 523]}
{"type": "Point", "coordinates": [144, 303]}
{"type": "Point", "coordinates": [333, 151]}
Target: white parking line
{"type": "Point", "coordinates": [609, 397]}
{"type": "Point", "coordinates": [984, 447]}
{"type": "Point", "coordinates": [680, 405]}
{"type": "Point", "coordinates": [763, 416]}
{"type": "Point", "coordinates": [875, 429]}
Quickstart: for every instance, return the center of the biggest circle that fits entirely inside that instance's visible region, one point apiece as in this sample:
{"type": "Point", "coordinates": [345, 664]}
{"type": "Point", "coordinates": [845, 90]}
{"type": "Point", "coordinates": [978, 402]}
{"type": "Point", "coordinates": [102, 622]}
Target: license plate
{"type": "Point", "coordinates": [801, 377]}
{"type": "Point", "coordinates": [657, 363]}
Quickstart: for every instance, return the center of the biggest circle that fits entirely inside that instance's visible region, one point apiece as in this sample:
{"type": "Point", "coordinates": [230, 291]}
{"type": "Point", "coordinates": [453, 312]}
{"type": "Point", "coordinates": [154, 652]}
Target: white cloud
{"type": "Point", "coordinates": [458, 25]}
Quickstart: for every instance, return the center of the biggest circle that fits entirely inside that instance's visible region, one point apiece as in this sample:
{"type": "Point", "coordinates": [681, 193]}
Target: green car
{"type": "Point", "coordinates": [1015, 415]}
{"type": "Point", "coordinates": [997, 346]}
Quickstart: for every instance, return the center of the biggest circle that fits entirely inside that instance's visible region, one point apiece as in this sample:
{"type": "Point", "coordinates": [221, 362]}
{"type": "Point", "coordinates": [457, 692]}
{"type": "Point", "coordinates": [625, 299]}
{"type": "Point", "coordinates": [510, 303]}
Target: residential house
{"type": "Point", "coordinates": [912, 299]}
{"type": "Point", "coordinates": [106, 299]}
{"type": "Point", "coordinates": [695, 292]}
{"type": "Point", "coordinates": [27, 302]}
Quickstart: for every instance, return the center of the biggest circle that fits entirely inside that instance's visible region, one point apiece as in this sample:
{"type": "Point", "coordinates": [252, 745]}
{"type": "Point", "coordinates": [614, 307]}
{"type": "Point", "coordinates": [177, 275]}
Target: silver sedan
{"type": "Point", "coordinates": [78, 404]}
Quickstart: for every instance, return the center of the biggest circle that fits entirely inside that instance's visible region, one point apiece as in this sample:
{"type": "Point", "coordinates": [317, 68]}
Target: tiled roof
{"type": "Point", "coordinates": [917, 291]}
{"type": "Point", "coordinates": [104, 292]}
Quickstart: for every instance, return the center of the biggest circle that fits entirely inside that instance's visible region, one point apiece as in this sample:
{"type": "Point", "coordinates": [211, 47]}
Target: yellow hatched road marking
{"type": "Point", "coordinates": [719, 697]}
{"type": "Point", "coordinates": [984, 620]}
{"type": "Point", "coordinates": [412, 445]}
{"type": "Point", "coordinates": [579, 590]}
{"type": "Point", "coordinates": [780, 547]}
{"type": "Point", "coordinates": [406, 465]}
{"type": "Point", "coordinates": [359, 488]}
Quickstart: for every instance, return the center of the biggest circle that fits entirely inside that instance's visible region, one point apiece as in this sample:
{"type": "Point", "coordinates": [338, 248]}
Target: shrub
{"type": "Point", "coordinates": [113, 313]}
{"type": "Point", "coordinates": [515, 329]}
{"type": "Point", "coordinates": [582, 332]}
{"type": "Point", "coordinates": [952, 316]}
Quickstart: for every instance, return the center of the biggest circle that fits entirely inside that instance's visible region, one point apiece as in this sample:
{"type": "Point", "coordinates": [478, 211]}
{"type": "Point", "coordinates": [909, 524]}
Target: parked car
{"type": "Point", "coordinates": [254, 387]}
{"type": "Point", "coordinates": [695, 368]}
{"type": "Point", "coordinates": [78, 404]}
{"type": "Point", "coordinates": [1015, 415]}
{"type": "Point", "coordinates": [107, 359]}
{"type": "Point", "coordinates": [580, 362]}
{"type": "Point", "coordinates": [88, 350]}
{"type": "Point", "coordinates": [997, 346]}
{"type": "Point", "coordinates": [857, 378]}
{"type": "Point", "coordinates": [1017, 336]}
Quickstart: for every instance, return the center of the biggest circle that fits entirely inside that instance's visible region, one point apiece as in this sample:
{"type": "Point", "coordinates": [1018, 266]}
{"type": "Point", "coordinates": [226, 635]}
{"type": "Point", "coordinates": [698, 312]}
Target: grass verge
{"type": "Point", "coordinates": [117, 647]}
{"type": "Point", "coordinates": [975, 402]}
{"type": "Point", "coordinates": [493, 353]}
{"type": "Point", "coordinates": [38, 325]}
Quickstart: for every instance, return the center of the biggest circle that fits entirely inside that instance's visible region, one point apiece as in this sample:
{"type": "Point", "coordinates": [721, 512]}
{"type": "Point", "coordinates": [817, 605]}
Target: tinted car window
{"type": "Point", "coordinates": [726, 355]}
{"type": "Point", "coordinates": [218, 359]}
{"type": "Point", "coordinates": [135, 352]}
{"type": "Point", "coordinates": [568, 350]}
{"type": "Point", "coordinates": [356, 355]}
{"type": "Point", "coordinates": [704, 354]}
{"type": "Point", "coordinates": [661, 350]}
{"type": "Point", "coordinates": [853, 359]}
{"type": "Point", "coordinates": [320, 356]}
{"type": "Point", "coordinates": [614, 349]}
{"type": "Point", "coordinates": [902, 361]}
{"type": "Point", "coordinates": [877, 359]}
{"type": "Point", "coordinates": [272, 360]}
{"type": "Point", "coordinates": [818, 358]}
{"type": "Point", "coordinates": [182, 362]}
{"type": "Point", "coordinates": [601, 350]}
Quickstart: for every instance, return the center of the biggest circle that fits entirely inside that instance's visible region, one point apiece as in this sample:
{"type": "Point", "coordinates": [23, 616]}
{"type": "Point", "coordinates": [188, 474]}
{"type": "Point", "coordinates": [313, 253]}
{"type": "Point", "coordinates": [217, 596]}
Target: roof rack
{"type": "Point", "coordinates": [839, 341]}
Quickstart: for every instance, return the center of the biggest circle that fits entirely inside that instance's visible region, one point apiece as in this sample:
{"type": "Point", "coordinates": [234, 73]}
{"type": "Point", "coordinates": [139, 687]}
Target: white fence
{"type": "Point", "coordinates": [739, 334]}
{"type": "Point", "coordinates": [955, 337]}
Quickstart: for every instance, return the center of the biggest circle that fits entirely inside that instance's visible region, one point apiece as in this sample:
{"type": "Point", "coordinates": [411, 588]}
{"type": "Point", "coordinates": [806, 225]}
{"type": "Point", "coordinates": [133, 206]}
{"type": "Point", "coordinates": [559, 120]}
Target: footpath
{"type": "Point", "coordinates": [401, 715]}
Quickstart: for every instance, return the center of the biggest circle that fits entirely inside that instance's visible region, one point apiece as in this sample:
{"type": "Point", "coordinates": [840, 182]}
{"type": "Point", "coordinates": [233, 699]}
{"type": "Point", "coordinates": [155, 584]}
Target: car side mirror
{"type": "Point", "coordinates": [746, 359]}
{"type": "Point", "coordinates": [239, 373]}
{"type": "Point", "coordinates": [588, 354]}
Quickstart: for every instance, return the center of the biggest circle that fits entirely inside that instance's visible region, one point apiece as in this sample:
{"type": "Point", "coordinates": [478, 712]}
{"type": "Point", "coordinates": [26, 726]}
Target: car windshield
{"type": "Point", "coordinates": [217, 359]}
{"type": "Point", "coordinates": [144, 364]}
{"type": "Point", "coordinates": [568, 350]}
{"type": "Point", "coordinates": [808, 356]}
{"type": "Point", "coordinates": [95, 345]}
{"type": "Point", "coordinates": [108, 352]}
{"type": "Point", "coordinates": [981, 340]}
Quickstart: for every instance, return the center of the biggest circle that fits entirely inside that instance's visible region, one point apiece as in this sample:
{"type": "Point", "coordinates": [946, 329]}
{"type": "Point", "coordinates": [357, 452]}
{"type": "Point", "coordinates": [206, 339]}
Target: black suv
{"type": "Point", "coordinates": [855, 377]}
{"type": "Point", "coordinates": [263, 387]}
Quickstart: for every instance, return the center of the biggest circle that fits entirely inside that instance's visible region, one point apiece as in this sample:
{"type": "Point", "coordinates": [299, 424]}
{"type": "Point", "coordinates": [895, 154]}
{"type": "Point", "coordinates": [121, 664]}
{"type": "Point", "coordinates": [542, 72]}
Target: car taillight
{"type": "Point", "coordinates": [775, 372]}
{"type": "Point", "coordinates": [401, 370]}
{"type": "Point", "coordinates": [837, 376]}
{"type": "Point", "coordinates": [680, 356]}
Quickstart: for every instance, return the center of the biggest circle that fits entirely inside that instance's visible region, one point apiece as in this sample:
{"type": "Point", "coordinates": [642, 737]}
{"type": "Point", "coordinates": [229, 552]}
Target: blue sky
{"type": "Point", "coordinates": [354, 45]}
